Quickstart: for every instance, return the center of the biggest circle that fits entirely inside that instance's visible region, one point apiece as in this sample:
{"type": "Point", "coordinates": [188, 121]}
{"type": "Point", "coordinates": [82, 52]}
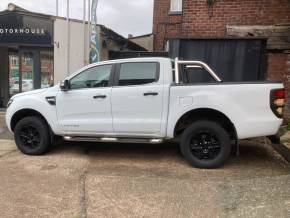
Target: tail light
{"type": "Point", "coordinates": [277, 102]}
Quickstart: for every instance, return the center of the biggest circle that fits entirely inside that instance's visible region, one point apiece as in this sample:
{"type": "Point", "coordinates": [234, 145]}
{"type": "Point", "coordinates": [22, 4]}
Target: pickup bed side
{"type": "Point", "coordinates": [247, 106]}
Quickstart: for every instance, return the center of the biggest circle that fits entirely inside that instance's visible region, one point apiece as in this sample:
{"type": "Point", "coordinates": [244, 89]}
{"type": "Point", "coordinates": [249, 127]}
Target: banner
{"type": "Point", "coordinates": [95, 35]}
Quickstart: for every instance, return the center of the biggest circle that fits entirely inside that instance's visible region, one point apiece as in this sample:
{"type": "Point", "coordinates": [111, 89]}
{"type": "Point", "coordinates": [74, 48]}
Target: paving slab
{"type": "Point", "coordinates": [41, 186]}
{"type": "Point", "coordinates": [6, 146]}
{"type": "Point", "coordinates": [262, 197]}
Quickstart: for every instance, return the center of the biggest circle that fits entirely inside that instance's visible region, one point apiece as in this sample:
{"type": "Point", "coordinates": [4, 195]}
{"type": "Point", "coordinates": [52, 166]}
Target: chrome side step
{"type": "Point", "coordinates": [108, 139]}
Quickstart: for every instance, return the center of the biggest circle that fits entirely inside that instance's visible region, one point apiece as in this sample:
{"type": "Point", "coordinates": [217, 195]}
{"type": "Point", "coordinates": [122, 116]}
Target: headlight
{"type": "Point", "coordinates": [9, 102]}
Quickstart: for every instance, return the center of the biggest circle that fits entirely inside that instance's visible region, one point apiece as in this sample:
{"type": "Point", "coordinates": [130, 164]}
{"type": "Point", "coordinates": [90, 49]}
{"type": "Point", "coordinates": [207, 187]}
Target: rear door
{"type": "Point", "coordinates": [137, 99]}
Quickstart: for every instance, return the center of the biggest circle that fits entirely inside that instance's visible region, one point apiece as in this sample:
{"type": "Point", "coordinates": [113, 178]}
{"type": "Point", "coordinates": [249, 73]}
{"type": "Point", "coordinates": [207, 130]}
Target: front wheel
{"type": "Point", "coordinates": [205, 144]}
{"type": "Point", "coordinates": [32, 136]}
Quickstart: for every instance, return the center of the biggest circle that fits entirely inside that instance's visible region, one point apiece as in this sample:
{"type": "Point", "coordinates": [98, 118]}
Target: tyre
{"type": "Point", "coordinates": [32, 136]}
{"type": "Point", "coordinates": [205, 144]}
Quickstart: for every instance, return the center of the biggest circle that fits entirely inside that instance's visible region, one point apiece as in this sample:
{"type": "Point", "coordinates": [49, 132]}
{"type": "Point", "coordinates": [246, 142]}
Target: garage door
{"type": "Point", "coordinates": [233, 59]}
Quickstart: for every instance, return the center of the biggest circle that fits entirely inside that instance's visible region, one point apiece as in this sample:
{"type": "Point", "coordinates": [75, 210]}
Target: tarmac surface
{"type": "Point", "coordinates": [137, 180]}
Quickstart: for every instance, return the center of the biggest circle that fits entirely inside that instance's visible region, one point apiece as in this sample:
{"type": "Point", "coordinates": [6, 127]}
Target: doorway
{"type": "Point", "coordinates": [25, 69]}
{"type": "Point", "coordinates": [30, 69]}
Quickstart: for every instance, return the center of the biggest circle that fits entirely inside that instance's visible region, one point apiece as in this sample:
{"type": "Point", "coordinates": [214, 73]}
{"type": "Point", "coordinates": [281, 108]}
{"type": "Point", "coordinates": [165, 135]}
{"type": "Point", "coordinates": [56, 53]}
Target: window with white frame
{"type": "Point", "coordinates": [176, 6]}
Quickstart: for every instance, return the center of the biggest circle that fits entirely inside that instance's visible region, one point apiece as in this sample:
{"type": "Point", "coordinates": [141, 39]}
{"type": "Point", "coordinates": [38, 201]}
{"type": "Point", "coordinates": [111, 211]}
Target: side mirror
{"type": "Point", "coordinates": [64, 85]}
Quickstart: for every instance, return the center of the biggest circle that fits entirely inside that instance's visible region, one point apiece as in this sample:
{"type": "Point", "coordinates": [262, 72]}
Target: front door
{"type": "Point", "coordinates": [86, 107]}
{"type": "Point", "coordinates": [137, 99]}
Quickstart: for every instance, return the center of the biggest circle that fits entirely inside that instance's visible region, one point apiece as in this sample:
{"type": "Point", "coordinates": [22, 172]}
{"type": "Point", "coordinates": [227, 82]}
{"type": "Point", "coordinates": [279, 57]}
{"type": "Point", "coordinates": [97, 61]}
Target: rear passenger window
{"type": "Point", "coordinates": [138, 73]}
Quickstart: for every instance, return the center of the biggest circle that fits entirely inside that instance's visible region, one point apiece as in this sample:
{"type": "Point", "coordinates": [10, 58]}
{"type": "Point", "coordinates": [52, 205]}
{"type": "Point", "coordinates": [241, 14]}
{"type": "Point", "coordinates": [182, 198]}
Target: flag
{"type": "Point", "coordinates": [95, 41]}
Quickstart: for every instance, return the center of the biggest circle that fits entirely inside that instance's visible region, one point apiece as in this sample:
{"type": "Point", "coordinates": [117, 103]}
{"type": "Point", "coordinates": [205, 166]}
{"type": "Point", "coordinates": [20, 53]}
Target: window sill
{"type": "Point", "coordinates": [175, 13]}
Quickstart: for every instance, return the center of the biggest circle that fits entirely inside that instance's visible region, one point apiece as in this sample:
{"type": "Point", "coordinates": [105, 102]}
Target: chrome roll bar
{"type": "Point", "coordinates": [199, 63]}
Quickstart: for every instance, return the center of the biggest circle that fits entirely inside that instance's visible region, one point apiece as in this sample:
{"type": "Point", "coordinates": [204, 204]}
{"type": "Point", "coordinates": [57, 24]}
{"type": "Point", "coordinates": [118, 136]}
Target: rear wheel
{"type": "Point", "coordinates": [32, 136]}
{"type": "Point", "coordinates": [205, 144]}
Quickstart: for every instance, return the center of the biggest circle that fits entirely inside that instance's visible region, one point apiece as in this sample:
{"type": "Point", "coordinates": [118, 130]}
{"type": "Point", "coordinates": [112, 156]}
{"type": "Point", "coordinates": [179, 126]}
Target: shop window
{"type": "Point", "coordinates": [13, 73]}
{"type": "Point", "coordinates": [46, 62]}
{"type": "Point", "coordinates": [27, 71]}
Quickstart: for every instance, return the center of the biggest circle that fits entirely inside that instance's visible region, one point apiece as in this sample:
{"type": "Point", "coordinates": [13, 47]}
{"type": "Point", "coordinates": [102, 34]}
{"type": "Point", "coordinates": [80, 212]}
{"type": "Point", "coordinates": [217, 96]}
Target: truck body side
{"type": "Point", "coordinates": [246, 105]}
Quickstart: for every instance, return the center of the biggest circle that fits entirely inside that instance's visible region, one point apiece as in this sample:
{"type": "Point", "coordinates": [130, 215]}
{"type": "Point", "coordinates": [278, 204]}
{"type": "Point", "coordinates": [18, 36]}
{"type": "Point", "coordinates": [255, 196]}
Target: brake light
{"type": "Point", "coordinates": [277, 101]}
{"type": "Point", "coordinates": [280, 93]}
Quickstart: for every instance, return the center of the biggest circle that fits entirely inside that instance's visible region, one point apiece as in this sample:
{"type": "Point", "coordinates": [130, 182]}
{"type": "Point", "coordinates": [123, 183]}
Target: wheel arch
{"type": "Point", "coordinates": [26, 112]}
{"type": "Point", "coordinates": [205, 114]}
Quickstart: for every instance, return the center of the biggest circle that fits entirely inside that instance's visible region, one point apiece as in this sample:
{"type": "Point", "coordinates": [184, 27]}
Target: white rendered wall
{"type": "Point", "coordinates": [76, 48]}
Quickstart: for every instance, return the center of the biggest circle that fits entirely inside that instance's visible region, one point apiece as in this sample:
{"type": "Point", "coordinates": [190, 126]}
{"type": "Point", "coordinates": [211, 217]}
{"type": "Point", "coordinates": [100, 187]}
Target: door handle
{"type": "Point", "coordinates": [100, 96]}
{"type": "Point", "coordinates": [150, 93]}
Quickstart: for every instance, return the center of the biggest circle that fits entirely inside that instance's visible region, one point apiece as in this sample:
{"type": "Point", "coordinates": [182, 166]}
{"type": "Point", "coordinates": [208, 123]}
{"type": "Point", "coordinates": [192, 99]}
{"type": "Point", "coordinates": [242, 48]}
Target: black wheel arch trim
{"type": "Point", "coordinates": [25, 112]}
{"type": "Point", "coordinates": [214, 111]}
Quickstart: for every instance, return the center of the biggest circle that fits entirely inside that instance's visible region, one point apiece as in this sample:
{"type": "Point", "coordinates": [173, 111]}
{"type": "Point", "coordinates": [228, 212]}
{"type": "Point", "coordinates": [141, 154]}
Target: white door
{"type": "Point", "coordinates": [86, 107]}
{"type": "Point", "coordinates": [137, 99]}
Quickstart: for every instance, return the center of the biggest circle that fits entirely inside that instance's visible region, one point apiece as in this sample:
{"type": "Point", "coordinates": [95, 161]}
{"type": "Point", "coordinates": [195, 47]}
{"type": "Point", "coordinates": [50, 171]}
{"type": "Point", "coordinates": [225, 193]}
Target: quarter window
{"type": "Point", "coordinates": [176, 6]}
{"type": "Point", "coordinates": [94, 77]}
{"type": "Point", "coordinates": [138, 73]}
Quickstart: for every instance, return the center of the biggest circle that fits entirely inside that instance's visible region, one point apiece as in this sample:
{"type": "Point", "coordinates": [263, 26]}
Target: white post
{"type": "Point", "coordinates": [68, 38]}
{"type": "Point", "coordinates": [56, 8]}
{"type": "Point", "coordinates": [84, 24]}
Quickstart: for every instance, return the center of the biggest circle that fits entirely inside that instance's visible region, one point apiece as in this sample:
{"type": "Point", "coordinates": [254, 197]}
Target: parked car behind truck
{"type": "Point", "coordinates": [148, 100]}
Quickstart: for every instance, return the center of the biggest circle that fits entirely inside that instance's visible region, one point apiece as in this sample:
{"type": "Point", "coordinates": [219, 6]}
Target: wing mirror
{"type": "Point", "coordinates": [64, 85]}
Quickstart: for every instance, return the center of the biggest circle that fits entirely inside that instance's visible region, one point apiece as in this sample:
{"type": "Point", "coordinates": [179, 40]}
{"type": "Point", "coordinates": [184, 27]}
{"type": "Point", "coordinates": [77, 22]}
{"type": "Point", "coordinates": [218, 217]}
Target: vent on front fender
{"type": "Point", "coordinates": [51, 100]}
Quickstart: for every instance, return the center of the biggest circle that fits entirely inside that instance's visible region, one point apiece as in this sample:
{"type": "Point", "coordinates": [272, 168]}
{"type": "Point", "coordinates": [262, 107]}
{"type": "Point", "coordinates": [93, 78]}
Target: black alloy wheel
{"type": "Point", "coordinates": [32, 135]}
{"type": "Point", "coordinates": [205, 144]}
{"type": "Point", "coordinates": [29, 136]}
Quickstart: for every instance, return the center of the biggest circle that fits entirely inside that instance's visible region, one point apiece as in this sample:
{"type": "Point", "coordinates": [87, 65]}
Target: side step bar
{"type": "Point", "coordinates": [108, 139]}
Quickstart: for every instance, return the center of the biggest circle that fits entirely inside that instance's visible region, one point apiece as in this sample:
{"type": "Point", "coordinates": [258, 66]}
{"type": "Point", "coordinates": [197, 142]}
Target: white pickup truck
{"type": "Point", "coordinates": [148, 100]}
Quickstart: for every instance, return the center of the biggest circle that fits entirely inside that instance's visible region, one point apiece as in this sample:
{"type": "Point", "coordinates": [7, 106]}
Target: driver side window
{"type": "Point", "coordinates": [93, 77]}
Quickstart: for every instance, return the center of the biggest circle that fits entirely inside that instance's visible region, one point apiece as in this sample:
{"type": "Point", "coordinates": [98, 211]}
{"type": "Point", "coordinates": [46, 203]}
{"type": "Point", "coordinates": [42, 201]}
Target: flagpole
{"type": "Point", "coordinates": [89, 29]}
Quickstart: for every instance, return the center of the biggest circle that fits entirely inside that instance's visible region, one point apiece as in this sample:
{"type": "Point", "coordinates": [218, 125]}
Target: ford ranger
{"type": "Point", "coordinates": [148, 100]}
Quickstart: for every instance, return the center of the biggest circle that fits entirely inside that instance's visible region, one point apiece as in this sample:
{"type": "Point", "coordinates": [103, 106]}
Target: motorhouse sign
{"type": "Point", "coordinates": [24, 29]}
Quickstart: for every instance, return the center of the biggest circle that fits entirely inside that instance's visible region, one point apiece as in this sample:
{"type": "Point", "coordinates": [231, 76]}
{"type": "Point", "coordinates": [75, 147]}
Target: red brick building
{"type": "Point", "coordinates": [268, 19]}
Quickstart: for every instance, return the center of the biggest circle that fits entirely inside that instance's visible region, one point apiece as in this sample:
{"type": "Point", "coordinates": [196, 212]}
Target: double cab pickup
{"type": "Point", "coordinates": [148, 100]}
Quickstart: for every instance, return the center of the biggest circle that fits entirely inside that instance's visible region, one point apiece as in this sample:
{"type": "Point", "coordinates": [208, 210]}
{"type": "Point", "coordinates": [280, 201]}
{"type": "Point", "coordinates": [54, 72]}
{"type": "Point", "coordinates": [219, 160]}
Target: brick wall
{"type": "Point", "coordinates": [279, 69]}
{"type": "Point", "coordinates": [198, 20]}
